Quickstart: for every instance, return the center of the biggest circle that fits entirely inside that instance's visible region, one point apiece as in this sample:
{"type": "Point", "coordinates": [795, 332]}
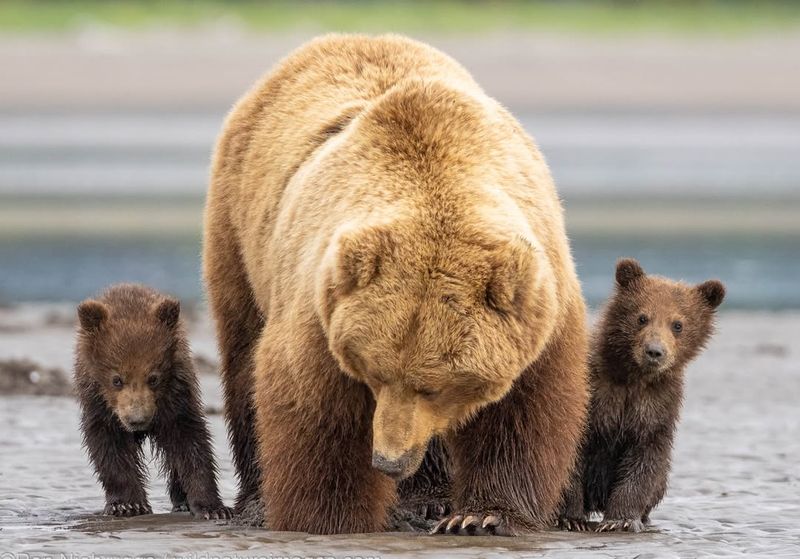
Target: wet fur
{"type": "Point", "coordinates": [123, 330]}
{"type": "Point", "coordinates": [302, 343]}
{"type": "Point", "coordinates": [625, 461]}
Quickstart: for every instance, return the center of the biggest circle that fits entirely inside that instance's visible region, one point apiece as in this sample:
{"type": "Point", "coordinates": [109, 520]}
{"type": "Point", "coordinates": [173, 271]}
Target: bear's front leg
{"type": "Point", "coordinates": [117, 458]}
{"type": "Point", "coordinates": [573, 516]}
{"type": "Point", "coordinates": [314, 428]}
{"type": "Point", "coordinates": [177, 495]}
{"type": "Point", "coordinates": [427, 493]}
{"type": "Point", "coordinates": [181, 434]}
{"type": "Point", "coordinates": [512, 461]}
{"type": "Point", "coordinates": [641, 476]}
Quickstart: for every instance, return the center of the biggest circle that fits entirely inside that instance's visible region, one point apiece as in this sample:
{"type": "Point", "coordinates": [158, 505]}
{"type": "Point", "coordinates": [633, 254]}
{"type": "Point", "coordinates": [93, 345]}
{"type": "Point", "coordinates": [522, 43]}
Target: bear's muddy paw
{"type": "Point", "coordinates": [127, 509]}
{"type": "Point", "coordinates": [620, 525]}
{"type": "Point", "coordinates": [573, 524]}
{"type": "Point", "coordinates": [478, 524]}
{"type": "Point", "coordinates": [432, 511]}
{"type": "Point", "coordinates": [180, 507]}
{"type": "Point", "coordinates": [215, 512]}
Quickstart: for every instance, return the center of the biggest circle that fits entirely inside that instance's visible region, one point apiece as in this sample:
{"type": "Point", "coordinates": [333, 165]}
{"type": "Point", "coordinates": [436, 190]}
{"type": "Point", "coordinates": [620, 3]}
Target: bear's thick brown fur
{"type": "Point", "coordinates": [135, 380]}
{"type": "Point", "coordinates": [386, 262]}
{"type": "Point", "coordinates": [648, 333]}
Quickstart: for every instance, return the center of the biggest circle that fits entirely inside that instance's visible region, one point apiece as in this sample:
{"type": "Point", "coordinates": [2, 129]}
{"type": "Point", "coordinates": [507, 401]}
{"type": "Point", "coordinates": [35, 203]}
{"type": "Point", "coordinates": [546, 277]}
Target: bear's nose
{"type": "Point", "coordinates": [655, 351]}
{"type": "Point", "coordinates": [392, 468]}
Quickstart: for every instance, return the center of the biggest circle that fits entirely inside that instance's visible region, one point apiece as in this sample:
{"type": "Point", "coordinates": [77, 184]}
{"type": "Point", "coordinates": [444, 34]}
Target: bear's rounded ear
{"type": "Point", "coordinates": [91, 314]}
{"type": "Point", "coordinates": [628, 271]}
{"type": "Point", "coordinates": [168, 312]}
{"type": "Point", "coordinates": [511, 275]}
{"type": "Point", "coordinates": [359, 255]}
{"type": "Point", "coordinates": [713, 292]}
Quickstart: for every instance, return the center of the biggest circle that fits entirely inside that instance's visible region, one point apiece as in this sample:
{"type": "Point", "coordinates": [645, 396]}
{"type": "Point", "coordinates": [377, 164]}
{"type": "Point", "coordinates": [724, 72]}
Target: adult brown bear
{"type": "Point", "coordinates": [386, 262]}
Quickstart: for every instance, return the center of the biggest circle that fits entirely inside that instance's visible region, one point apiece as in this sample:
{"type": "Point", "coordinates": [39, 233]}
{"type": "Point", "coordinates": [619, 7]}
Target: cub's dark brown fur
{"type": "Point", "coordinates": [135, 380]}
{"type": "Point", "coordinates": [651, 329]}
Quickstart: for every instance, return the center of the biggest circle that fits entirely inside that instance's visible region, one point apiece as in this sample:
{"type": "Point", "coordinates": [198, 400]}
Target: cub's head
{"type": "Point", "coordinates": [436, 327]}
{"type": "Point", "coordinates": [126, 343]}
{"type": "Point", "coordinates": [653, 324]}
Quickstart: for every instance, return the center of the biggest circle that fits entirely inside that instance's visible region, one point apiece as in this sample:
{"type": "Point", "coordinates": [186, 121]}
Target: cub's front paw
{"type": "Point", "coordinates": [620, 525]}
{"type": "Point", "coordinates": [212, 512]}
{"type": "Point", "coordinates": [478, 524]}
{"type": "Point", "coordinates": [181, 507]}
{"type": "Point", "coordinates": [127, 509]}
{"type": "Point", "coordinates": [573, 524]}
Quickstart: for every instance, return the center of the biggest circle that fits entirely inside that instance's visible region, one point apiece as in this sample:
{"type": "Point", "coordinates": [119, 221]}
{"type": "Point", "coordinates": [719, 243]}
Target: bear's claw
{"type": "Point", "coordinates": [573, 524]}
{"type": "Point", "coordinates": [215, 513]}
{"type": "Point", "coordinates": [620, 525]}
{"type": "Point", "coordinates": [432, 511]}
{"type": "Point", "coordinates": [475, 524]}
{"type": "Point", "coordinates": [127, 509]}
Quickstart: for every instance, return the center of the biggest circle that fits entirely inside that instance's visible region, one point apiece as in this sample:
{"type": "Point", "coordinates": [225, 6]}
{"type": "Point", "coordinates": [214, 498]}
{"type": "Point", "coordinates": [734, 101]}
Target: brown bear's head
{"type": "Point", "coordinates": [436, 326]}
{"type": "Point", "coordinates": [128, 356]}
{"type": "Point", "coordinates": [653, 325]}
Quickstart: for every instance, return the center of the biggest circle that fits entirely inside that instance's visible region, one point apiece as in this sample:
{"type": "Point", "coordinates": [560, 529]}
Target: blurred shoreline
{"type": "Point", "coordinates": [103, 68]}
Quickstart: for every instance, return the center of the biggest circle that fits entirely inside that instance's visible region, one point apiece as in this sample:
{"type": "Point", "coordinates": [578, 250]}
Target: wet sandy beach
{"type": "Point", "coordinates": [735, 487]}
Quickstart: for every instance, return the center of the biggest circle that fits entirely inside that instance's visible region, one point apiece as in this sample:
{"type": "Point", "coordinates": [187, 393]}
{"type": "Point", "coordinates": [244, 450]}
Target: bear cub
{"type": "Point", "coordinates": [648, 333]}
{"type": "Point", "coordinates": [135, 381]}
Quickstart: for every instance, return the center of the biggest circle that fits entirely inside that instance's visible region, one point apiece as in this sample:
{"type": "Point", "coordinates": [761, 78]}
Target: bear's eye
{"type": "Point", "coordinates": [643, 319]}
{"type": "Point", "coordinates": [427, 392]}
{"type": "Point", "coordinates": [152, 380]}
{"type": "Point", "coordinates": [677, 326]}
{"type": "Point", "coordinates": [116, 381]}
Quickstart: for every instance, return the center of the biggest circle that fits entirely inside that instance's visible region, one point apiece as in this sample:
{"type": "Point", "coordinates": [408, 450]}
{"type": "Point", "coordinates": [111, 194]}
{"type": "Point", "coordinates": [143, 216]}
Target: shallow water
{"type": "Point", "coordinates": [735, 487]}
{"type": "Point", "coordinates": [760, 271]}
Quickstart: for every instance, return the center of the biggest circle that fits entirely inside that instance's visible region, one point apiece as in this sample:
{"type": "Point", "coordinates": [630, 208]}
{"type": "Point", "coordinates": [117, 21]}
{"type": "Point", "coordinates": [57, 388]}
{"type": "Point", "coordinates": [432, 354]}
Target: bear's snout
{"type": "Point", "coordinates": [399, 468]}
{"type": "Point", "coordinates": [655, 352]}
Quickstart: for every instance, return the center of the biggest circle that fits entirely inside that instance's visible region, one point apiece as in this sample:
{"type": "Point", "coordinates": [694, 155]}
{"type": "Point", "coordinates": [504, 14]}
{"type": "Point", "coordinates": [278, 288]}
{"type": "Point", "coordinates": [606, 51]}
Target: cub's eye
{"type": "Point", "coordinates": [116, 381]}
{"type": "Point", "coordinates": [152, 380]}
{"type": "Point", "coordinates": [643, 319]}
{"type": "Point", "coordinates": [677, 326]}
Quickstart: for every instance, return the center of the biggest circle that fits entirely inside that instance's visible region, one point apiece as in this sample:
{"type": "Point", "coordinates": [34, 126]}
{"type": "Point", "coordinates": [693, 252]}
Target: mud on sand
{"type": "Point", "coordinates": [735, 486]}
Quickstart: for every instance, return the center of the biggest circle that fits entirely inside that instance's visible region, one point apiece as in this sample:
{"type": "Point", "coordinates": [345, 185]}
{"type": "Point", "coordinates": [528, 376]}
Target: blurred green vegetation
{"type": "Point", "coordinates": [599, 16]}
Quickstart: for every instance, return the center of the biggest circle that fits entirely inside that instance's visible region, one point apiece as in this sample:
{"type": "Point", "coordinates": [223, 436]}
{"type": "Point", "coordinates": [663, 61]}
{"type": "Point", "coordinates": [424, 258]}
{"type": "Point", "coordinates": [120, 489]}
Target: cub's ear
{"type": "Point", "coordinates": [359, 255]}
{"type": "Point", "coordinates": [628, 271]}
{"type": "Point", "coordinates": [91, 314]}
{"type": "Point", "coordinates": [168, 312]}
{"type": "Point", "coordinates": [713, 292]}
{"type": "Point", "coordinates": [512, 276]}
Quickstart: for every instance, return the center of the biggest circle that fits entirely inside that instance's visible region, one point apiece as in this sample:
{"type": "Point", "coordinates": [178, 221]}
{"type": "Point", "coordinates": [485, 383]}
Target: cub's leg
{"type": "Point", "coordinates": [238, 325]}
{"type": "Point", "coordinates": [177, 495]}
{"type": "Point", "coordinates": [117, 458]}
{"type": "Point", "coordinates": [512, 462]}
{"type": "Point", "coordinates": [181, 435]}
{"type": "Point", "coordinates": [660, 489]}
{"type": "Point", "coordinates": [573, 508]}
{"type": "Point", "coordinates": [315, 438]}
{"type": "Point", "coordinates": [600, 470]}
{"type": "Point", "coordinates": [428, 492]}
{"type": "Point", "coordinates": [641, 470]}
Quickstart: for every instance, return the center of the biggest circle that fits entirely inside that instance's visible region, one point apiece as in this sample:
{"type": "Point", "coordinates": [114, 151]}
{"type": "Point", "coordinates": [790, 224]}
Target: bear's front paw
{"type": "Point", "coordinates": [573, 524]}
{"type": "Point", "coordinates": [212, 512]}
{"type": "Point", "coordinates": [127, 509]}
{"type": "Point", "coordinates": [620, 525]}
{"type": "Point", "coordinates": [478, 524]}
{"type": "Point", "coordinates": [432, 511]}
{"type": "Point", "coordinates": [181, 507]}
